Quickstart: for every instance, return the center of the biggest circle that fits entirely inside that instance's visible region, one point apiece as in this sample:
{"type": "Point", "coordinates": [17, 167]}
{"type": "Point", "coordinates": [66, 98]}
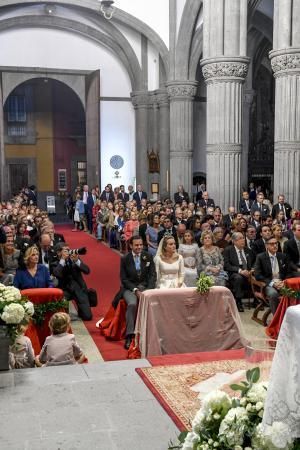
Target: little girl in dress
{"type": "Point", "coordinates": [61, 347]}
{"type": "Point", "coordinates": [21, 353]}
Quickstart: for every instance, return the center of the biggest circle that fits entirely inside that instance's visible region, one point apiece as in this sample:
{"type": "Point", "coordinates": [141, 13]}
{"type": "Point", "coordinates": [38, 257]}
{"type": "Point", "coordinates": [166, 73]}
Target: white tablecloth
{"type": "Point", "coordinates": [283, 397]}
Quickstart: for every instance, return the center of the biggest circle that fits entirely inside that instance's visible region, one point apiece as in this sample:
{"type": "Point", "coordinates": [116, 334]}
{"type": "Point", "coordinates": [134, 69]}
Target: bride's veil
{"type": "Point", "coordinates": [159, 250]}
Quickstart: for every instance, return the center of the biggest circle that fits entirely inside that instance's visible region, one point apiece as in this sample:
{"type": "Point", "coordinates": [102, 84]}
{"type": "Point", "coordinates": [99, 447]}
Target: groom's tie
{"type": "Point", "coordinates": [137, 263]}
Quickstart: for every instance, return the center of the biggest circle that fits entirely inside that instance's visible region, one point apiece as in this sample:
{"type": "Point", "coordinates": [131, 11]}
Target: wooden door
{"type": "Point", "coordinates": [18, 175]}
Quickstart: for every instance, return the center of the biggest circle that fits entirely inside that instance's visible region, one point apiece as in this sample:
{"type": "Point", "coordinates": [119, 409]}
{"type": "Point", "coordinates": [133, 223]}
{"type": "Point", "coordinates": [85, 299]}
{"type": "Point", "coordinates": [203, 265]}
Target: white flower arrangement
{"type": "Point", "coordinates": [225, 423]}
{"type": "Point", "coordinates": [14, 310]}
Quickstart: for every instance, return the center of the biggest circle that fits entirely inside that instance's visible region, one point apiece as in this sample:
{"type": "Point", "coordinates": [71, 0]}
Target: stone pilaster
{"type": "Point", "coordinates": [181, 94]}
{"type": "Point", "coordinates": [140, 101]}
{"type": "Point", "coordinates": [286, 68]}
{"type": "Point", "coordinates": [162, 100]}
{"type": "Point", "coordinates": [224, 78]}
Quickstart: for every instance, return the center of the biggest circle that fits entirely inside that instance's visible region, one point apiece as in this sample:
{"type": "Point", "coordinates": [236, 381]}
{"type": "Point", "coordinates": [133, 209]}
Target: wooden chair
{"type": "Point", "coordinates": [263, 304]}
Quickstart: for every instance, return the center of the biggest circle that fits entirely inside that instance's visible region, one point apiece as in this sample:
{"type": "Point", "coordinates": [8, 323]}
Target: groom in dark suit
{"type": "Point", "coordinates": [137, 274]}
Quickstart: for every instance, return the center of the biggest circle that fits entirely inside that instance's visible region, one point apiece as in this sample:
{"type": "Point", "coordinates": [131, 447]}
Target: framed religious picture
{"type": "Point", "coordinates": [153, 161]}
{"type": "Point", "coordinates": [155, 188]}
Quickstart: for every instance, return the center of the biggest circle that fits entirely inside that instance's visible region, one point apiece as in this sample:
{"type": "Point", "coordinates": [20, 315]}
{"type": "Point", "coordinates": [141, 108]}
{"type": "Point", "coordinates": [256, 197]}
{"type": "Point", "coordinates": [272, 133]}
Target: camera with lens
{"type": "Point", "coordinates": [77, 251]}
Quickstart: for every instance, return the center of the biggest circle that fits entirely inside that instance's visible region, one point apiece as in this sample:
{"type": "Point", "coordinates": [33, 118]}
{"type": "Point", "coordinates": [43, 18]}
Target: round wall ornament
{"type": "Point", "coordinates": [116, 162]}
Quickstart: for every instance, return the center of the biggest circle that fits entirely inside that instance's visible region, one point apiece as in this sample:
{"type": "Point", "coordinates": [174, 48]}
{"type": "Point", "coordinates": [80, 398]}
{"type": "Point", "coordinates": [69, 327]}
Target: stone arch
{"type": "Point", "coordinates": [22, 77]}
{"type": "Point", "coordinates": [185, 38]}
{"type": "Point", "coordinates": [119, 17]}
{"type": "Point", "coordinates": [129, 61]}
{"type": "Point", "coordinates": [196, 52]}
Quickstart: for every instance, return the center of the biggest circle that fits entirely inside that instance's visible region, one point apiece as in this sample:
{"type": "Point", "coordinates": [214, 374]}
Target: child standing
{"type": "Point", "coordinates": [61, 347]}
{"type": "Point", "coordinates": [21, 353]}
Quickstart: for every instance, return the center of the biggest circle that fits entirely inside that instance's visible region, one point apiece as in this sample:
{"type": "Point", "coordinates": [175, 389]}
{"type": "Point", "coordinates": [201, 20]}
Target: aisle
{"type": "Point", "coordinates": [104, 277]}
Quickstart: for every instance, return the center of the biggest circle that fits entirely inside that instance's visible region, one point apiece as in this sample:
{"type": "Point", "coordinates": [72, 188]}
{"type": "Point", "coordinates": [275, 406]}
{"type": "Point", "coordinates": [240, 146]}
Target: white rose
{"type": "Point", "coordinates": [259, 406]}
{"type": "Point", "coordinates": [29, 308]}
{"type": "Point", "coordinates": [13, 313]}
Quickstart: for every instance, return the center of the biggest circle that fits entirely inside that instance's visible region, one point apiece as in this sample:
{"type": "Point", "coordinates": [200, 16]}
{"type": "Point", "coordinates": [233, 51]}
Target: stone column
{"type": "Point", "coordinates": [249, 96]}
{"type": "Point", "coordinates": [181, 94]}
{"type": "Point", "coordinates": [3, 172]}
{"type": "Point", "coordinates": [224, 69]}
{"type": "Point", "coordinates": [164, 141]}
{"type": "Point", "coordinates": [285, 61]}
{"type": "Point", "coordinates": [140, 101]}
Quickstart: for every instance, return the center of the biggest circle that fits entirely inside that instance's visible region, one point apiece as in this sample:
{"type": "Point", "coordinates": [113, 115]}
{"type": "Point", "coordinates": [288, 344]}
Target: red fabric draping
{"type": "Point", "coordinates": [113, 326]}
{"type": "Point", "coordinates": [274, 327]}
{"type": "Point", "coordinates": [38, 333]}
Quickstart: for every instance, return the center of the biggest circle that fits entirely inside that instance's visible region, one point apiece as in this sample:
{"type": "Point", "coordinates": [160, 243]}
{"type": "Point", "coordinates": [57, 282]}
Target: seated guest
{"type": "Point", "coordinates": [271, 267]}
{"type": "Point", "coordinates": [131, 227]}
{"type": "Point", "coordinates": [152, 233]}
{"type": "Point", "coordinates": [238, 261]}
{"type": "Point", "coordinates": [259, 205]}
{"type": "Point", "coordinates": [292, 250]}
{"type": "Point", "coordinates": [250, 237]}
{"type": "Point", "coordinates": [256, 220]}
{"type": "Point", "coordinates": [137, 274]}
{"type": "Point", "coordinates": [47, 255]}
{"type": "Point", "coordinates": [180, 230]}
{"type": "Point", "coordinates": [21, 236]}
{"type": "Point", "coordinates": [280, 220]}
{"type": "Point", "coordinates": [206, 202]}
{"type": "Point", "coordinates": [189, 250]}
{"type": "Point", "coordinates": [277, 233]}
{"type": "Point", "coordinates": [211, 259]}
{"type": "Point", "coordinates": [9, 261]}
{"type": "Point", "coordinates": [181, 195]}
{"type": "Point", "coordinates": [168, 229]}
{"type": "Point", "coordinates": [33, 275]}
{"type": "Point", "coordinates": [282, 206]}
{"type": "Point", "coordinates": [69, 272]}
{"type": "Point", "coordinates": [228, 218]}
{"type": "Point", "coordinates": [61, 347]}
{"type": "Point", "coordinates": [221, 238]}
{"type": "Point", "coordinates": [260, 243]}
{"type": "Point", "coordinates": [245, 204]}
{"type": "Point", "coordinates": [169, 264]}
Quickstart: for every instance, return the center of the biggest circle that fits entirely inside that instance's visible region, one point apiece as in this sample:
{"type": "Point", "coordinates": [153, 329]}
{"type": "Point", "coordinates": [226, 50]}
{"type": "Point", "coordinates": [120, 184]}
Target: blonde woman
{"type": "Point", "coordinates": [33, 275]}
{"type": "Point", "coordinates": [169, 264]}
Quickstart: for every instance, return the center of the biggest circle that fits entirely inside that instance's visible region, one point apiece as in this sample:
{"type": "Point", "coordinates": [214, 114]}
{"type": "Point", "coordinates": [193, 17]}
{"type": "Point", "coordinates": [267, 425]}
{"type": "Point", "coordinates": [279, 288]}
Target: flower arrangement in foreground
{"type": "Point", "coordinates": [225, 423]}
{"type": "Point", "coordinates": [204, 283]}
{"type": "Point", "coordinates": [14, 309]}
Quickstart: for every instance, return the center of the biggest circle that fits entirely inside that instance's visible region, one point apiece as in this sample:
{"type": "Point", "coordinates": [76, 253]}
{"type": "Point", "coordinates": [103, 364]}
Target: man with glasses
{"type": "Point", "coordinates": [272, 268]}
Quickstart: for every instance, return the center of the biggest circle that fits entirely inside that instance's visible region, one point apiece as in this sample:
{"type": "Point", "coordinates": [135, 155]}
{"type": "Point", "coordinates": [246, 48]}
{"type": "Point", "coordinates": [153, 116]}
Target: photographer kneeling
{"type": "Point", "coordinates": [70, 280]}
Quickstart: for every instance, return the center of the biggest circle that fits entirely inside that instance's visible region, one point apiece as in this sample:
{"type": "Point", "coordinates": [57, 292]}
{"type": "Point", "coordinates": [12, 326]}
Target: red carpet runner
{"type": "Point", "coordinates": [104, 277]}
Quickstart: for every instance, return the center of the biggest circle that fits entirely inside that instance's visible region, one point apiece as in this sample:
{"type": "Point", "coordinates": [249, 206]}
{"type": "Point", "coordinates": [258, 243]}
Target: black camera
{"type": "Point", "coordinates": [77, 251]}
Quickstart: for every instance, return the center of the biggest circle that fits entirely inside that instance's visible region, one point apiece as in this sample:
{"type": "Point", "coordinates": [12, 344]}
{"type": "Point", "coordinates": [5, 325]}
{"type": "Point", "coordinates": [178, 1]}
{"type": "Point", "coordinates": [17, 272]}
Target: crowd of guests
{"type": "Point", "coordinates": [173, 241]}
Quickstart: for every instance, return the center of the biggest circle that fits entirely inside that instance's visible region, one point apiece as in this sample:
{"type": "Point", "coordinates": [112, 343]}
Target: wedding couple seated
{"type": "Point", "coordinates": [140, 272]}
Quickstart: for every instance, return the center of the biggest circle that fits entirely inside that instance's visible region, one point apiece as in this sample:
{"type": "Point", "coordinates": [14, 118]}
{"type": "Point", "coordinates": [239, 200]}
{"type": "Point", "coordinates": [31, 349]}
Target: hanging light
{"type": "Point", "coordinates": [107, 8]}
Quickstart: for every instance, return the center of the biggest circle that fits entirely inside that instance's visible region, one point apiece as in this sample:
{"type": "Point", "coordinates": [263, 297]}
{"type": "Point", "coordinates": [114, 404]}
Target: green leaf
{"type": "Point", "coordinates": [255, 374]}
{"type": "Point", "coordinates": [182, 436]}
{"type": "Point", "coordinates": [237, 387]}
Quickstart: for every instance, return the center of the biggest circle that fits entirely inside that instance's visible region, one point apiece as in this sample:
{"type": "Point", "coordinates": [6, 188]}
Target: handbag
{"type": "Point", "coordinates": [76, 216]}
{"type": "Point", "coordinates": [93, 298]}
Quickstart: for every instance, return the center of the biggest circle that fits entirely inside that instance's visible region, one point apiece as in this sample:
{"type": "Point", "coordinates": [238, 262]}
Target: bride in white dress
{"type": "Point", "coordinates": [169, 265]}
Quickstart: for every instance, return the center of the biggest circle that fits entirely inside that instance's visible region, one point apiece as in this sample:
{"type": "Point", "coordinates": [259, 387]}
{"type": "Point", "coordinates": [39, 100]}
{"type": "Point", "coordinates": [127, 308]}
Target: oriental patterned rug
{"type": "Point", "coordinates": [171, 386]}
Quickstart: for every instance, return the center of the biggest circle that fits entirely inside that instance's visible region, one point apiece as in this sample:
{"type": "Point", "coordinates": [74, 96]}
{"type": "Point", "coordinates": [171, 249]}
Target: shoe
{"type": "Point", "coordinates": [74, 229]}
{"type": "Point", "coordinates": [240, 307]}
{"type": "Point", "coordinates": [99, 322]}
{"type": "Point", "coordinates": [128, 341]}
